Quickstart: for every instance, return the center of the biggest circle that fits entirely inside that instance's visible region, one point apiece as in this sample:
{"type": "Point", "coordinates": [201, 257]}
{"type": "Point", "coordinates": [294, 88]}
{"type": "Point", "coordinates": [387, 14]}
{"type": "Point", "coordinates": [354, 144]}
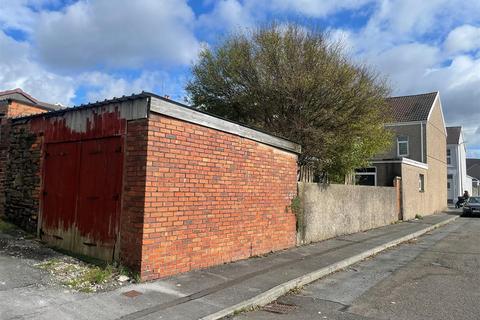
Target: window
{"type": "Point", "coordinates": [366, 176]}
{"type": "Point", "coordinates": [421, 183]}
{"type": "Point", "coordinates": [449, 156]}
{"type": "Point", "coordinates": [402, 146]}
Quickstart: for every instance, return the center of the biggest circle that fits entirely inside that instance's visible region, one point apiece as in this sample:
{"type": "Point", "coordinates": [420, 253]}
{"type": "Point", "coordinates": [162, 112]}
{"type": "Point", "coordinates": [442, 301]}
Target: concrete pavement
{"type": "Point", "coordinates": [434, 277]}
{"type": "Point", "coordinates": [211, 293]}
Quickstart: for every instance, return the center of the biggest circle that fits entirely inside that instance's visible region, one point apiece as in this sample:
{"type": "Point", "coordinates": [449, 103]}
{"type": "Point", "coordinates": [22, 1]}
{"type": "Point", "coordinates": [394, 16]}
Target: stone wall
{"type": "Point", "coordinates": [22, 178]}
{"type": "Point", "coordinates": [329, 211]}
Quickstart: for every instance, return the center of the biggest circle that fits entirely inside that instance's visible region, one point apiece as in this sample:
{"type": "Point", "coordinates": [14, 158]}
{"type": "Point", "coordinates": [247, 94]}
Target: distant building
{"type": "Point", "coordinates": [473, 170]}
{"type": "Point", "coordinates": [418, 155]}
{"type": "Point", "coordinates": [457, 179]}
{"type": "Point", "coordinates": [16, 102]}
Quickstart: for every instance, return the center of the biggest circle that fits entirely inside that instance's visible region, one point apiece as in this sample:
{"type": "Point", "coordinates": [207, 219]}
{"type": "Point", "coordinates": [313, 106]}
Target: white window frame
{"type": "Point", "coordinates": [403, 141]}
{"type": "Point", "coordinates": [421, 182]}
{"type": "Point", "coordinates": [449, 156]}
{"type": "Point", "coordinates": [374, 174]}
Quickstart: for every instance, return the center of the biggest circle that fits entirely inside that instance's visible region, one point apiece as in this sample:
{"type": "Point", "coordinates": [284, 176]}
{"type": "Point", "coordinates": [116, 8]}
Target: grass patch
{"type": "Point", "coordinates": [418, 216]}
{"type": "Point", "coordinates": [88, 280]}
{"type": "Point", "coordinates": [6, 227]}
{"type": "Point", "coordinates": [80, 276]}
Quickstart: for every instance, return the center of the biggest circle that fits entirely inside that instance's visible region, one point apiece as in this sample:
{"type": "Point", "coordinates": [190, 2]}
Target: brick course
{"type": "Point", "coordinates": [133, 198]}
{"type": "Point", "coordinates": [17, 109]}
{"type": "Point", "coordinates": [212, 197]}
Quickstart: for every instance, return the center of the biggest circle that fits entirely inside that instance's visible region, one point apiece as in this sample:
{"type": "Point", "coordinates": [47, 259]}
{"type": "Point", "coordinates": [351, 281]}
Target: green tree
{"type": "Point", "coordinates": [298, 84]}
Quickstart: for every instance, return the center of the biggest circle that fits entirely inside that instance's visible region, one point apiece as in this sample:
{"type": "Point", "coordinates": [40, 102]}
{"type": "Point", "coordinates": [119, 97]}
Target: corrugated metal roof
{"type": "Point", "coordinates": [143, 94]}
{"type": "Point", "coordinates": [453, 135]}
{"type": "Point", "coordinates": [412, 108]}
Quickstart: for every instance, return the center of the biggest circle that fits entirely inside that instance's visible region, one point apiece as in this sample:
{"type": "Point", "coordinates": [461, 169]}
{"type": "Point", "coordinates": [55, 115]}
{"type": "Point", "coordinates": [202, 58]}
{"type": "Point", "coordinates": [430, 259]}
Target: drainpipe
{"type": "Point", "coordinates": [421, 144]}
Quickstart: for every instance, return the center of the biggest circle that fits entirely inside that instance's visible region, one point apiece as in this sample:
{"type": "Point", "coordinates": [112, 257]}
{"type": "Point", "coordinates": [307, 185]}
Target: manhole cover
{"type": "Point", "coordinates": [132, 294]}
{"type": "Point", "coordinates": [280, 308]}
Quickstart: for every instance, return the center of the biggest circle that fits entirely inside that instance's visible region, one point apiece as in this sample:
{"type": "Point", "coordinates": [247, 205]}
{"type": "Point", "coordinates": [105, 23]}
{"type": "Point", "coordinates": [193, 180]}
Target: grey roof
{"type": "Point", "coordinates": [412, 108]}
{"type": "Point", "coordinates": [21, 96]}
{"type": "Point", "coordinates": [473, 168]}
{"type": "Point", "coordinates": [453, 135]}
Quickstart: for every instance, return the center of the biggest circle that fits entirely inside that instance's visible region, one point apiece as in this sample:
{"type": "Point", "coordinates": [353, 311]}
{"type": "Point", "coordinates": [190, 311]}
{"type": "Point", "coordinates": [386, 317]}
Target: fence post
{"type": "Point", "coordinates": [397, 183]}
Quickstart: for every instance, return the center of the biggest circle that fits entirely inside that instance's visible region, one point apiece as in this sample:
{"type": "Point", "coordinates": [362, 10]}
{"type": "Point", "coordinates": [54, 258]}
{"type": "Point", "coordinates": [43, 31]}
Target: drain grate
{"type": "Point", "coordinates": [281, 308]}
{"type": "Point", "coordinates": [132, 294]}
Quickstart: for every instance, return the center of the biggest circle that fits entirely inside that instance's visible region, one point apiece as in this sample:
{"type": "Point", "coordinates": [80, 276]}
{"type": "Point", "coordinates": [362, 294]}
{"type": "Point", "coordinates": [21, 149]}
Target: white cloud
{"type": "Point", "coordinates": [229, 15]}
{"type": "Point", "coordinates": [463, 39]}
{"type": "Point", "coordinates": [316, 8]}
{"type": "Point", "coordinates": [17, 69]}
{"type": "Point", "coordinates": [121, 33]}
{"type": "Point", "coordinates": [407, 41]}
{"type": "Point", "coordinates": [105, 86]}
{"type": "Point", "coordinates": [66, 49]}
{"type": "Point", "coordinates": [406, 65]}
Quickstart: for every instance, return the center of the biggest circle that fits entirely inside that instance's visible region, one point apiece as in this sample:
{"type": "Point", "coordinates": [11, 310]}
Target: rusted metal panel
{"type": "Point", "coordinates": [59, 192]}
{"type": "Point", "coordinates": [88, 123]}
{"type": "Point", "coordinates": [81, 203]}
{"type": "Point", "coordinates": [80, 126]}
{"type": "Point", "coordinates": [99, 190]}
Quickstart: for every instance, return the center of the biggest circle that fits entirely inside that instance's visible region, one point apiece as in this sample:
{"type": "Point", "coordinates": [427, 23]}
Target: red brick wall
{"type": "Point", "coordinates": [212, 197]}
{"type": "Point", "coordinates": [133, 204]}
{"type": "Point", "coordinates": [17, 109]}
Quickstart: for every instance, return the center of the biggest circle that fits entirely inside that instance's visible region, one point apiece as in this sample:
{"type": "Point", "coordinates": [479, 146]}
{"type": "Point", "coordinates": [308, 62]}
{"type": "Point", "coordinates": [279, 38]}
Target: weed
{"type": "Point", "coordinates": [136, 277]}
{"type": "Point", "coordinates": [295, 290]}
{"type": "Point", "coordinates": [418, 216]}
{"type": "Point", "coordinates": [49, 264]}
{"type": "Point", "coordinates": [6, 226]}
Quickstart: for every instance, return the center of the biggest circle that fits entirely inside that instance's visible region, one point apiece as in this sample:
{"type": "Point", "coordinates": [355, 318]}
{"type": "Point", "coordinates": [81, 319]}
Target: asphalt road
{"type": "Point", "coordinates": [435, 277]}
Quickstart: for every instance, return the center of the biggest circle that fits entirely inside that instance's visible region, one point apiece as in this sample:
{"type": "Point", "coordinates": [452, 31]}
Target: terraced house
{"type": "Point", "coordinates": [418, 155]}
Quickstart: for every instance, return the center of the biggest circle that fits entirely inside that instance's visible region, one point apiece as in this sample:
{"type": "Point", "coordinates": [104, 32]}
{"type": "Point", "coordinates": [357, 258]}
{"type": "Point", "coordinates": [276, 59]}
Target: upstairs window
{"type": "Point", "coordinates": [449, 156]}
{"type": "Point", "coordinates": [402, 146]}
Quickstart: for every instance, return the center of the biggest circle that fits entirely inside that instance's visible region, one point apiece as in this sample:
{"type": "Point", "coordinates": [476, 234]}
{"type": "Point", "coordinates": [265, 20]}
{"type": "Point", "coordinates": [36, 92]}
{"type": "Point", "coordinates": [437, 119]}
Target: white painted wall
{"type": "Point", "coordinates": [458, 169]}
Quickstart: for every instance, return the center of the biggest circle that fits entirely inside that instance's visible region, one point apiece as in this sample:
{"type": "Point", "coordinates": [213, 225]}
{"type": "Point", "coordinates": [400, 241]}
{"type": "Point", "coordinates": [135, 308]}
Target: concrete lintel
{"type": "Point", "coordinates": [404, 161]}
{"type": "Point", "coordinates": [193, 116]}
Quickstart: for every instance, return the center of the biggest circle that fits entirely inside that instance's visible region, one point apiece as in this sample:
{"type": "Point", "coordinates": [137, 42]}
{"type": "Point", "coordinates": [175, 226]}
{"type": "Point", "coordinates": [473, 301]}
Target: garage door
{"type": "Point", "coordinates": [81, 198]}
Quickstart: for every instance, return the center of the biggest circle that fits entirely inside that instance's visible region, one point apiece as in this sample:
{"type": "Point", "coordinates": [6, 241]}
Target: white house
{"type": "Point", "coordinates": [457, 179]}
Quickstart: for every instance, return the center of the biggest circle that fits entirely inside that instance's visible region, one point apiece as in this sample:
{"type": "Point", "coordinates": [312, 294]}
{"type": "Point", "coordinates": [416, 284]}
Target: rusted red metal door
{"type": "Point", "coordinates": [59, 191]}
{"type": "Point", "coordinates": [96, 186]}
{"type": "Point", "coordinates": [99, 191]}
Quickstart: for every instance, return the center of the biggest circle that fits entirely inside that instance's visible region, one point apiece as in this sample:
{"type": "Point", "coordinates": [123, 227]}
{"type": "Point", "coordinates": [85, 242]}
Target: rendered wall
{"type": "Point", "coordinates": [436, 185]}
{"type": "Point", "coordinates": [414, 201]}
{"type": "Point", "coordinates": [334, 210]}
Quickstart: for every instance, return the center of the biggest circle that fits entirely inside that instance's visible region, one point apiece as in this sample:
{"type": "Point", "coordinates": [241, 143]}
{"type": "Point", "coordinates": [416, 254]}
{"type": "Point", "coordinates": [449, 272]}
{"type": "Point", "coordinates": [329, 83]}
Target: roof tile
{"type": "Point", "coordinates": [412, 108]}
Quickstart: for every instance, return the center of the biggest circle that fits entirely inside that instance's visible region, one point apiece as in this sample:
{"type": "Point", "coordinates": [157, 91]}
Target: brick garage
{"type": "Point", "coordinates": [196, 190]}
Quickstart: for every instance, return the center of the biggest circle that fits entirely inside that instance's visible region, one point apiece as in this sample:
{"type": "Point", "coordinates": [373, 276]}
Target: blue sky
{"type": "Point", "coordinates": [74, 52]}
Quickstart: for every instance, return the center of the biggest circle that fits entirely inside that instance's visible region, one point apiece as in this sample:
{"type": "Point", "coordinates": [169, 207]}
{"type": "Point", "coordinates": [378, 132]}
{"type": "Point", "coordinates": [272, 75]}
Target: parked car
{"type": "Point", "coordinates": [472, 206]}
